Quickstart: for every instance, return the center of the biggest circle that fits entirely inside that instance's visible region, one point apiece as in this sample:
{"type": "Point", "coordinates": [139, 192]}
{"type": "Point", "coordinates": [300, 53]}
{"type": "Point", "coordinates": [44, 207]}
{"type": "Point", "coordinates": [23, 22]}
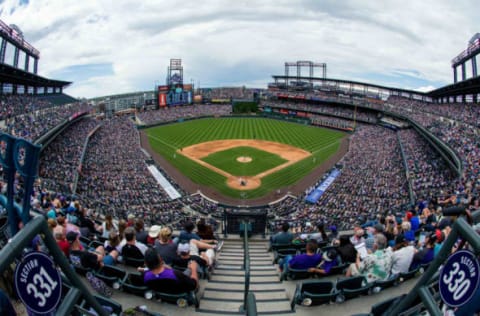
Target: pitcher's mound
{"type": "Point", "coordinates": [244, 159]}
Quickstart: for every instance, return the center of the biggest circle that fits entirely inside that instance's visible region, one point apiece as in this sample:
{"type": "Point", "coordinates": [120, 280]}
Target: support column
{"type": "Point", "coordinates": [27, 62]}
{"type": "Point", "coordinates": [455, 79]}
{"type": "Point", "coordinates": [35, 66]}
{"type": "Point", "coordinates": [474, 66]}
{"type": "Point", "coordinates": [3, 49]}
{"type": "Point", "coordinates": [464, 72]}
{"type": "Point", "coordinates": [15, 57]}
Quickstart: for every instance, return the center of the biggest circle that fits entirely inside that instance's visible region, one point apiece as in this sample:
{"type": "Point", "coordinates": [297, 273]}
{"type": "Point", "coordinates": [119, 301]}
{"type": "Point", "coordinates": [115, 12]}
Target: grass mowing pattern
{"type": "Point", "coordinates": [321, 142]}
{"type": "Point", "coordinates": [227, 161]}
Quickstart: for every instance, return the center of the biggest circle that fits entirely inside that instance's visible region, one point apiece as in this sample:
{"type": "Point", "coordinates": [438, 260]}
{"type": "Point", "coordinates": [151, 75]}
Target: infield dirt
{"type": "Point", "coordinates": [198, 151]}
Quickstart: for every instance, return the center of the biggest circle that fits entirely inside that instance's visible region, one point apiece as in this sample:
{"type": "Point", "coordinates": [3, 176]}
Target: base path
{"type": "Point", "coordinates": [191, 187]}
{"type": "Point", "coordinates": [198, 151]}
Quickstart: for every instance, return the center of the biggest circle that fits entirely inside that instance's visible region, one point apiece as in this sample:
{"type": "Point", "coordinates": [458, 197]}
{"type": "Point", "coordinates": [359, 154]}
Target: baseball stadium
{"type": "Point", "coordinates": [310, 195]}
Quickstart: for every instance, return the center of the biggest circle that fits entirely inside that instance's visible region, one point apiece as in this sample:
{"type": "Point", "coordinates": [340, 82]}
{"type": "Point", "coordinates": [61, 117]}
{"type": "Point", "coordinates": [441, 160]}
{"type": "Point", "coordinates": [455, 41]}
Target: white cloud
{"type": "Point", "coordinates": [243, 42]}
{"type": "Point", "coordinates": [425, 88]}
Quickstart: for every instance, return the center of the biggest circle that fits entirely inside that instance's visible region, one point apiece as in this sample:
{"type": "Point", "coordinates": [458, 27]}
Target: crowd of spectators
{"type": "Point", "coordinates": [13, 105]}
{"type": "Point", "coordinates": [343, 112]}
{"type": "Point", "coordinates": [115, 174]}
{"type": "Point", "coordinates": [175, 113]}
{"type": "Point", "coordinates": [61, 159]}
{"type": "Point", "coordinates": [227, 93]}
{"type": "Point", "coordinates": [32, 125]}
{"type": "Point", "coordinates": [372, 178]}
{"type": "Point", "coordinates": [427, 171]}
{"type": "Point", "coordinates": [372, 181]}
{"type": "Point", "coordinates": [463, 112]}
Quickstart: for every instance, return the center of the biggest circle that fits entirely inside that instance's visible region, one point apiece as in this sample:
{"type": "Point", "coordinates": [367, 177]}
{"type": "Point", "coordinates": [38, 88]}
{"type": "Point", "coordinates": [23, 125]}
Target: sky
{"type": "Point", "coordinates": [110, 47]}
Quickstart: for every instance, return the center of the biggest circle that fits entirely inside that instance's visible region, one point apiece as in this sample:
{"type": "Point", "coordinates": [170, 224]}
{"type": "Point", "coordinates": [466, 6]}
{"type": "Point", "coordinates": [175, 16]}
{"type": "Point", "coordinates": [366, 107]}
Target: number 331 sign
{"type": "Point", "coordinates": [459, 278]}
{"type": "Point", "coordinates": [38, 283]}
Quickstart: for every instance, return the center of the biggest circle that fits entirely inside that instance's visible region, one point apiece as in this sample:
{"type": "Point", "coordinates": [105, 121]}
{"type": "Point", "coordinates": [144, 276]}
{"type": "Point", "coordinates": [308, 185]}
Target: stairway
{"type": "Point", "coordinates": [223, 294]}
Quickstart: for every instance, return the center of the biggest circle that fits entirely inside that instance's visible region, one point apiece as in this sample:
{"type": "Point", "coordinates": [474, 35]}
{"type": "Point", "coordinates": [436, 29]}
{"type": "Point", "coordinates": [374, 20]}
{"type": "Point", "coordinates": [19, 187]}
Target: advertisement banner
{"type": "Point", "coordinates": [162, 99]}
{"type": "Point", "coordinates": [315, 195]}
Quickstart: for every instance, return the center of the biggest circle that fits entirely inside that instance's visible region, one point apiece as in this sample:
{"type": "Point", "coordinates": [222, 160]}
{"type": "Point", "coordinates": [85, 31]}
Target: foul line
{"type": "Point", "coordinates": [325, 147]}
{"type": "Point", "coordinates": [161, 141]}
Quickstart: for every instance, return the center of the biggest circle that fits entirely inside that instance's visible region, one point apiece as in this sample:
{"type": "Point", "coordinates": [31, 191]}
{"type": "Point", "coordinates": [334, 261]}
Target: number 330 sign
{"type": "Point", "coordinates": [38, 283]}
{"type": "Point", "coordinates": [459, 278]}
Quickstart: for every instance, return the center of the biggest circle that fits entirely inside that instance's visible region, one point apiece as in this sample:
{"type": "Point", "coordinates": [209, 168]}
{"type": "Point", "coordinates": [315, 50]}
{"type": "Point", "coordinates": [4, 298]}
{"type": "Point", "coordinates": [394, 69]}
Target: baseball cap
{"type": "Point", "coordinates": [329, 255]}
{"type": "Point", "coordinates": [183, 248]}
{"type": "Point", "coordinates": [154, 231]}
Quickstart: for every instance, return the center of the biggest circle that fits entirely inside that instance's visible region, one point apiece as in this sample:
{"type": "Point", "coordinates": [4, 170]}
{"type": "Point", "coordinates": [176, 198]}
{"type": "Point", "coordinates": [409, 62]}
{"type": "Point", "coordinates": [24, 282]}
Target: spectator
{"type": "Point", "coordinates": [358, 234]}
{"type": "Point", "coordinates": [426, 254]}
{"type": "Point", "coordinates": [187, 233]}
{"type": "Point", "coordinates": [165, 247]}
{"type": "Point", "coordinates": [113, 242]}
{"type": "Point", "coordinates": [140, 232]}
{"type": "Point", "coordinates": [153, 233]}
{"type": "Point", "coordinates": [108, 226]}
{"type": "Point", "coordinates": [402, 255]}
{"type": "Point", "coordinates": [184, 256]}
{"type": "Point", "coordinates": [60, 237]}
{"type": "Point", "coordinates": [304, 261]}
{"type": "Point", "coordinates": [164, 279]}
{"type": "Point", "coordinates": [204, 231]}
{"type": "Point", "coordinates": [375, 266]}
{"type": "Point", "coordinates": [130, 247]}
{"type": "Point", "coordinates": [346, 249]}
{"type": "Point", "coordinates": [329, 260]}
{"type": "Point", "coordinates": [283, 237]}
{"type": "Point", "coordinates": [94, 258]}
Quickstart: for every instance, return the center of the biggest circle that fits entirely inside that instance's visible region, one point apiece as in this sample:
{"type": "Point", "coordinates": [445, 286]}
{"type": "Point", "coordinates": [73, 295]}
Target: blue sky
{"type": "Point", "coordinates": [107, 47]}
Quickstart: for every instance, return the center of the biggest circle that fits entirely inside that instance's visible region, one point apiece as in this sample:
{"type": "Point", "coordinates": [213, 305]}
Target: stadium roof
{"type": "Point", "coordinates": [9, 74]}
{"type": "Point", "coordinates": [357, 83]}
{"type": "Point", "coordinates": [469, 86]}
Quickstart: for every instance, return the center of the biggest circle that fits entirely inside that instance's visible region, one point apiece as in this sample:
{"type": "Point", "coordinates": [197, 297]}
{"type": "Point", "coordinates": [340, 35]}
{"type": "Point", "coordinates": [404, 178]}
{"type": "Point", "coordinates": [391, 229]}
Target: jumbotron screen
{"type": "Point", "coordinates": [174, 95]}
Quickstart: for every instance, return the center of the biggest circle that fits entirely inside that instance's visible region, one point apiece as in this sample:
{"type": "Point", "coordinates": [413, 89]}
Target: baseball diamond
{"type": "Point", "coordinates": [280, 153]}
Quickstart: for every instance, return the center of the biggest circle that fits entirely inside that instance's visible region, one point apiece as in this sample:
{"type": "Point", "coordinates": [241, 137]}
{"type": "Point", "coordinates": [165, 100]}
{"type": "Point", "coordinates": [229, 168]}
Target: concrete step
{"type": "Point", "coordinates": [263, 267]}
{"type": "Point", "coordinates": [227, 278]}
{"type": "Point", "coordinates": [259, 296]}
{"type": "Point", "coordinates": [240, 286]}
{"type": "Point", "coordinates": [227, 307]}
{"type": "Point", "coordinates": [242, 273]}
{"type": "Point", "coordinates": [239, 278]}
{"type": "Point", "coordinates": [231, 262]}
{"type": "Point", "coordinates": [229, 257]}
{"type": "Point", "coordinates": [222, 266]}
{"type": "Point", "coordinates": [261, 261]}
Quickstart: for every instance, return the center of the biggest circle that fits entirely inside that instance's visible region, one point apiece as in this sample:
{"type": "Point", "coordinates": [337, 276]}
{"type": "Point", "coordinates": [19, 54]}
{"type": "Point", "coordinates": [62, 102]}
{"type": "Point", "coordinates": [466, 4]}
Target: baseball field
{"type": "Point", "coordinates": [244, 158]}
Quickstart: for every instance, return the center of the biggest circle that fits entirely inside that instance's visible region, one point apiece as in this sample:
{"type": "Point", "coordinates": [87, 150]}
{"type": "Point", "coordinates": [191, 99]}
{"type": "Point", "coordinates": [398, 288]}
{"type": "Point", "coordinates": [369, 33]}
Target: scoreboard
{"type": "Point", "coordinates": [174, 95]}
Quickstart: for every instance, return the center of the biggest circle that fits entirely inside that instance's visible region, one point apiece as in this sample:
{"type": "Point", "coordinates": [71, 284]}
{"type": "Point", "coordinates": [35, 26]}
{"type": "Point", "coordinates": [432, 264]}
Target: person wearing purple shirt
{"type": "Point", "coordinates": [329, 260]}
{"type": "Point", "coordinates": [160, 277]}
{"type": "Point", "coordinates": [302, 261]}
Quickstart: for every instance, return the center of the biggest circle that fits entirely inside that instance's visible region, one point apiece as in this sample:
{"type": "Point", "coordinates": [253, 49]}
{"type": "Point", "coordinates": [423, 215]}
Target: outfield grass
{"type": "Point", "coordinates": [321, 142]}
{"type": "Point", "coordinates": [227, 161]}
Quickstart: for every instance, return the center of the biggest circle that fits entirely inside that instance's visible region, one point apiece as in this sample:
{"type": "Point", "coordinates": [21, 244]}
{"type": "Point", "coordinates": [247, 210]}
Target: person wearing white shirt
{"type": "Point", "coordinates": [402, 255]}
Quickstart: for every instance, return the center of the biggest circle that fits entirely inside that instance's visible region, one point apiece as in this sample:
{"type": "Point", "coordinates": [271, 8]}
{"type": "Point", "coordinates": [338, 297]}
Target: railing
{"type": "Point", "coordinates": [461, 229]}
{"type": "Point", "coordinates": [407, 171]}
{"type": "Point", "coordinates": [249, 303]}
{"type": "Point", "coordinates": [38, 225]}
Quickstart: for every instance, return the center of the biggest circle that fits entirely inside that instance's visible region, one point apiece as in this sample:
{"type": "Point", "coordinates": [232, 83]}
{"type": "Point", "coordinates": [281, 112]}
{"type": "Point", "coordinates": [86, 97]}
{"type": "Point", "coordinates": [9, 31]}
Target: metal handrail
{"type": "Point", "coordinates": [38, 225]}
{"type": "Point", "coordinates": [249, 304]}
